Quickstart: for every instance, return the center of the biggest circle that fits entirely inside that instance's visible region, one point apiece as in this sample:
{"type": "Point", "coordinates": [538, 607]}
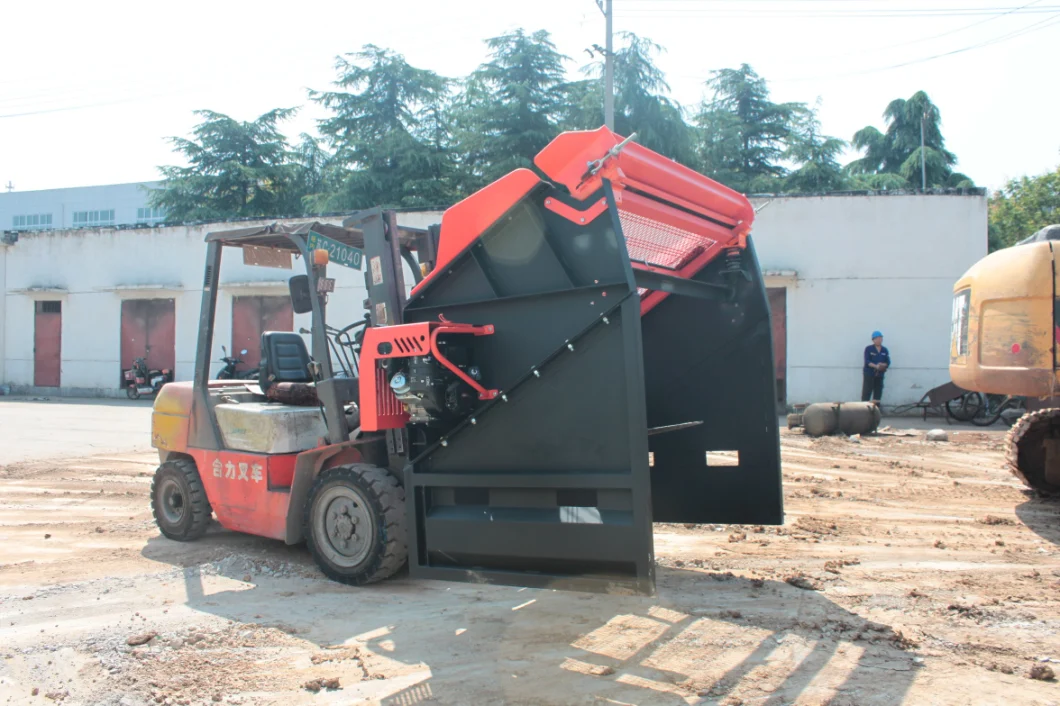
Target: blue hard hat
{"type": "Point", "coordinates": [877, 334]}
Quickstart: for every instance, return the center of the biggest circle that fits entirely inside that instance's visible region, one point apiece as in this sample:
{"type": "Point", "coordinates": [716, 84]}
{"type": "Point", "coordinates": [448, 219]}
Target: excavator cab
{"type": "Point", "coordinates": [587, 350]}
{"type": "Point", "coordinates": [1006, 329]}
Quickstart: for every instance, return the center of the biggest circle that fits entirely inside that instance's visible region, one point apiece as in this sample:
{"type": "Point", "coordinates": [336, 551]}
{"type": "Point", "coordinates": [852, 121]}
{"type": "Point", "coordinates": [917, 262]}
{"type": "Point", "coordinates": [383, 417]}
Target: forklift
{"type": "Point", "coordinates": [579, 344]}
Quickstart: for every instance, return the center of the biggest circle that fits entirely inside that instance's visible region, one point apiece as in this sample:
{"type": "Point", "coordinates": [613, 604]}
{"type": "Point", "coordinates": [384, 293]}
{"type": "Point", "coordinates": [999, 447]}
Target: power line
{"type": "Point", "coordinates": [100, 104]}
{"type": "Point", "coordinates": [920, 40]}
{"type": "Point", "coordinates": [774, 2]}
{"type": "Point", "coordinates": [1028, 29]}
{"type": "Point", "coordinates": [806, 5]}
{"type": "Point", "coordinates": [764, 16]}
{"type": "Point", "coordinates": [663, 11]}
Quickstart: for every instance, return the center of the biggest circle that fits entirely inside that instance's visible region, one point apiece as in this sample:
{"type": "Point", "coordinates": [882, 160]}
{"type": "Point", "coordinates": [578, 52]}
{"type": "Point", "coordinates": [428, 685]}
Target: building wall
{"type": "Point", "coordinates": [3, 310]}
{"type": "Point", "coordinates": [91, 271]}
{"type": "Point", "coordinates": [125, 199]}
{"type": "Point", "coordinates": [850, 264]}
{"type": "Point", "coordinates": [853, 264]}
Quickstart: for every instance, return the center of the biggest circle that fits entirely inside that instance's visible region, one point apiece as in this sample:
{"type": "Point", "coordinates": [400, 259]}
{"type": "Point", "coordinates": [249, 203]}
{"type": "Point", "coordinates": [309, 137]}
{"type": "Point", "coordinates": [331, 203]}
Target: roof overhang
{"type": "Point", "coordinates": [278, 235]}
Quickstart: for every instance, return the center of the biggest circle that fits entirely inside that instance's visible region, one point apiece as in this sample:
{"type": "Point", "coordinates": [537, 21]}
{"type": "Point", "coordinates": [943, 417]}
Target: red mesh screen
{"type": "Point", "coordinates": [660, 244]}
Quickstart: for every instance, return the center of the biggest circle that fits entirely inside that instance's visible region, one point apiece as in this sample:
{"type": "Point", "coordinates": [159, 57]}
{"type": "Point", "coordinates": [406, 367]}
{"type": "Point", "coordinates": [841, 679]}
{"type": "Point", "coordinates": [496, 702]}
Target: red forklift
{"type": "Point", "coordinates": [576, 346]}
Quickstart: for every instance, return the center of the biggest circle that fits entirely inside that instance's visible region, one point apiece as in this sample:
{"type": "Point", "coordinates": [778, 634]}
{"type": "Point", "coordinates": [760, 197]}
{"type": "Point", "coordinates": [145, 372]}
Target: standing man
{"type": "Point", "coordinates": [877, 360]}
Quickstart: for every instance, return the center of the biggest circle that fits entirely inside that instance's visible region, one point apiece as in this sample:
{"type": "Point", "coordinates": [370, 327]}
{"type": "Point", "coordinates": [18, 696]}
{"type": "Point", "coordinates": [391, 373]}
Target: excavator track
{"type": "Point", "coordinates": [1025, 449]}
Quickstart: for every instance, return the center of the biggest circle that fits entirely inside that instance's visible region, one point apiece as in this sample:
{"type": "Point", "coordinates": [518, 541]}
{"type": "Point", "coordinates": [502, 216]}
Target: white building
{"type": "Point", "coordinates": [850, 265]}
{"type": "Point", "coordinates": [837, 267]}
{"type": "Point", "coordinates": [79, 207]}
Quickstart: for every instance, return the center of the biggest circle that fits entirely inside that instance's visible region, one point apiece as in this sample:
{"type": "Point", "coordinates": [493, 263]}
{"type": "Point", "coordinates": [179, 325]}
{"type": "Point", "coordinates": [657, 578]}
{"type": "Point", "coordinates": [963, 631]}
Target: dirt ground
{"type": "Point", "coordinates": [907, 572]}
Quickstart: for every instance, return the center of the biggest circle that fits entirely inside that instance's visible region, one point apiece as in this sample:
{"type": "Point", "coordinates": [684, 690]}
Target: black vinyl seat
{"type": "Point", "coordinates": [284, 359]}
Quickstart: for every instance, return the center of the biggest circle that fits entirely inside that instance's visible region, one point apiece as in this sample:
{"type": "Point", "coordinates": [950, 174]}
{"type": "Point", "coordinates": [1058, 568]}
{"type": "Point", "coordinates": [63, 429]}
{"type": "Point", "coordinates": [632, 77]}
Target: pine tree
{"type": "Point", "coordinates": [509, 109]}
{"type": "Point", "coordinates": [235, 169]}
{"type": "Point", "coordinates": [816, 154]}
{"type": "Point", "coordinates": [744, 136]}
{"type": "Point", "coordinates": [385, 129]}
{"type": "Point", "coordinates": [641, 102]}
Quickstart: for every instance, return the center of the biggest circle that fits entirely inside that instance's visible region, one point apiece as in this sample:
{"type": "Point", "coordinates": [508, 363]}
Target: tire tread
{"type": "Point", "coordinates": [198, 503]}
{"type": "Point", "coordinates": [390, 494]}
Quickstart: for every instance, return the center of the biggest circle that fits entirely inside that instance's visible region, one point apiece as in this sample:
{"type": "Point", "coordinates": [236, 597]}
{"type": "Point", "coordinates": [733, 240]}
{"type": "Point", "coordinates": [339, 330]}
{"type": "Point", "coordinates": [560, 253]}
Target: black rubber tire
{"type": "Point", "coordinates": [994, 406]}
{"type": "Point", "coordinates": [196, 513]}
{"type": "Point", "coordinates": [385, 499]}
{"type": "Point", "coordinates": [966, 407]}
{"type": "Point", "coordinates": [132, 392]}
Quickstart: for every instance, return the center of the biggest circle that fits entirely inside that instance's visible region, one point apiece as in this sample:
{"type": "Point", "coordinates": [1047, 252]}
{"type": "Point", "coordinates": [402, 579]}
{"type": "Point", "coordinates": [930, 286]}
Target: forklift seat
{"type": "Point", "coordinates": [284, 359]}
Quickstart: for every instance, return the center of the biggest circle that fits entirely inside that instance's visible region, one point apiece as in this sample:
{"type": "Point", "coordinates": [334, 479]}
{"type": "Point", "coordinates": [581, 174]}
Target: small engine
{"type": "Point", "coordinates": [430, 392]}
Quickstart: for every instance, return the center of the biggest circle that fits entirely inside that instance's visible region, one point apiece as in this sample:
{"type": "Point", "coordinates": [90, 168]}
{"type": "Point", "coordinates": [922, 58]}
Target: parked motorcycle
{"type": "Point", "coordinates": [139, 380]}
{"type": "Point", "coordinates": [231, 369]}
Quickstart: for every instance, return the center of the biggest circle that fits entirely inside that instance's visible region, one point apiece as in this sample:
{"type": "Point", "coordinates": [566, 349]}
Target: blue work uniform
{"type": "Point", "coordinates": [872, 379]}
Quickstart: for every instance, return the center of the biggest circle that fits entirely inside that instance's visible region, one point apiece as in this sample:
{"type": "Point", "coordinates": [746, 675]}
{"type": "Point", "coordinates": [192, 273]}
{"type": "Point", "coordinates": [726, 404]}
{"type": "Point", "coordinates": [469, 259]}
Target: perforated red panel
{"type": "Point", "coordinates": [660, 244]}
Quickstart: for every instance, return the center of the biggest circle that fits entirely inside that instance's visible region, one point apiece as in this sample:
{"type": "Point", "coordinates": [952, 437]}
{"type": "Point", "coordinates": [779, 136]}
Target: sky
{"type": "Point", "coordinates": [89, 92]}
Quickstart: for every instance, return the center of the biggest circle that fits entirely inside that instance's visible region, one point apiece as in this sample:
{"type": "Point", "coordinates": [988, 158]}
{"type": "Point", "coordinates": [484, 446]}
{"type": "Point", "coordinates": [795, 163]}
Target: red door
{"type": "Point", "coordinates": [778, 307]}
{"type": "Point", "coordinates": [251, 316]}
{"type": "Point", "coordinates": [47, 343]}
{"type": "Point", "coordinates": [148, 330]}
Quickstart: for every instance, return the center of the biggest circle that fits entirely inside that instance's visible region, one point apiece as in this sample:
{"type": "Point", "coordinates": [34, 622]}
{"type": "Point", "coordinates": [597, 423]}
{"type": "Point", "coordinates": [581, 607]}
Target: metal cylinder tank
{"type": "Point", "coordinates": [858, 417]}
{"type": "Point", "coordinates": [821, 418]}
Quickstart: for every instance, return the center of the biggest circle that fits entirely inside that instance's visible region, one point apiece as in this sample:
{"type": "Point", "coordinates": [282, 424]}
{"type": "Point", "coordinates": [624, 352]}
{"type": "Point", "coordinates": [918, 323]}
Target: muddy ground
{"type": "Point", "coordinates": [907, 572]}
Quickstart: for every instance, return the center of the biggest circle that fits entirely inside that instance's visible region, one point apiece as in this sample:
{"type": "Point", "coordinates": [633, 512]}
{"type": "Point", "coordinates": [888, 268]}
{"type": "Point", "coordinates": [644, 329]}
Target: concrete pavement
{"type": "Point", "coordinates": [31, 429]}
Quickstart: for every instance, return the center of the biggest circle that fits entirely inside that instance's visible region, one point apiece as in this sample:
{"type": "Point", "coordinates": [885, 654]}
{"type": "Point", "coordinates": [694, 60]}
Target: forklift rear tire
{"type": "Point", "coordinates": [178, 500]}
{"type": "Point", "coordinates": [355, 524]}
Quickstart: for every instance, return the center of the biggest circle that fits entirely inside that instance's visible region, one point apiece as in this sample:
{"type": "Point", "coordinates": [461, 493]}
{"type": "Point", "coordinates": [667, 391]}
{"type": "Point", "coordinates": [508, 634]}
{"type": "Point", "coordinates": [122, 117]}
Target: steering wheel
{"type": "Point", "coordinates": [352, 326]}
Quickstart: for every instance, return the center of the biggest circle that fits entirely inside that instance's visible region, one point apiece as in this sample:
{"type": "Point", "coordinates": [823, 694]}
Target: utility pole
{"type": "Point", "coordinates": [923, 160]}
{"type": "Point", "coordinates": [609, 65]}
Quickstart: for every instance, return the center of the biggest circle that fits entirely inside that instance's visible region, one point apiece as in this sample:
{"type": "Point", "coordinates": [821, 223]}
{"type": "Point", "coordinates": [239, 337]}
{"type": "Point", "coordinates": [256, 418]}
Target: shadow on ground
{"type": "Point", "coordinates": [1041, 515]}
{"type": "Point", "coordinates": [707, 637]}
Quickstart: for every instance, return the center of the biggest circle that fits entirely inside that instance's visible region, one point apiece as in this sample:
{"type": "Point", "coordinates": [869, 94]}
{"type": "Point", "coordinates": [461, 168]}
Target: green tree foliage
{"type": "Point", "coordinates": [509, 108]}
{"type": "Point", "coordinates": [816, 155]}
{"type": "Point", "coordinates": [1022, 207]}
{"type": "Point", "coordinates": [387, 131]}
{"type": "Point", "coordinates": [316, 172]}
{"type": "Point", "coordinates": [397, 135]}
{"type": "Point", "coordinates": [897, 151]}
{"type": "Point", "coordinates": [235, 169]}
{"type": "Point", "coordinates": [641, 102]}
{"type": "Point", "coordinates": [744, 136]}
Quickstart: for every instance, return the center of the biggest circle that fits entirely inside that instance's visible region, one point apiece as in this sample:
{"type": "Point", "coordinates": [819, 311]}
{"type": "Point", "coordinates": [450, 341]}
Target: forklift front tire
{"type": "Point", "coordinates": [355, 524]}
{"type": "Point", "coordinates": [178, 500]}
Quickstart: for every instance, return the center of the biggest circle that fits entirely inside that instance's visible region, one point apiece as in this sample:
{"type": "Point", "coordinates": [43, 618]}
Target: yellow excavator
{"type": "Point", "coordinates": [1006, 325]}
